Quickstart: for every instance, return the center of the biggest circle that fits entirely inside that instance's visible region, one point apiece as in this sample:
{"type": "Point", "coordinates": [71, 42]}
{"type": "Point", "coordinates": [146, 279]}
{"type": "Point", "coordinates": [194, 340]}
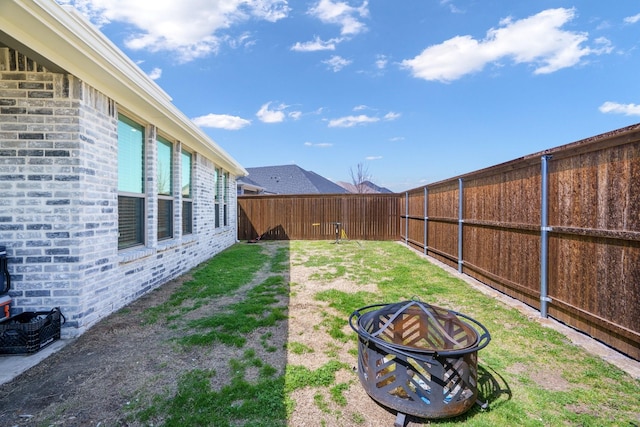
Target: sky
{"type": "Point", "coordinates": [413, 91]}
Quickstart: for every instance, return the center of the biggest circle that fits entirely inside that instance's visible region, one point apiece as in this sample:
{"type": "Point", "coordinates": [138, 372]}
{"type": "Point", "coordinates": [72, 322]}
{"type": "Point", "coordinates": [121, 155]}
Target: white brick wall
{"type": "Point", "coordinates": [58, 202]}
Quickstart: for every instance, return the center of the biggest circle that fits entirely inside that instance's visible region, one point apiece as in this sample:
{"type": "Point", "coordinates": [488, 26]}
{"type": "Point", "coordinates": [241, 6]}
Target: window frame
{"type": "Point", "coordinates": [217, 196]}
{"type": "Point", "coordinates": [139, 218]}
{"type": "Point", "coordinates": [165, 227]}
{"type": "Point", "coordinates": [225, 198]}
{"type": "Point", "coordinates": [187, 200]}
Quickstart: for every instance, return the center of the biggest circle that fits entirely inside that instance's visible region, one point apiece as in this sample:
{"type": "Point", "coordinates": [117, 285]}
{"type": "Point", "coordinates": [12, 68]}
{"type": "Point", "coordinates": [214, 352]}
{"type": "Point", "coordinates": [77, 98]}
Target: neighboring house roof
{"type": "Point", "coordinates": [60, 39]}
{"type": "Point", "coordinates": [365, 187]}
{"type": "Point", "coordinates": [292, 179]}
{"type": "Point", "coordinates": [246, 183]}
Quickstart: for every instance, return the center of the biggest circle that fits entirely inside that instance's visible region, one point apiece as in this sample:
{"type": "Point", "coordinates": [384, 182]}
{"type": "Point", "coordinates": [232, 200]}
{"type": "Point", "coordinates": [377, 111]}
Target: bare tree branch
{"type": "Point", "coordinates": [359, 177]}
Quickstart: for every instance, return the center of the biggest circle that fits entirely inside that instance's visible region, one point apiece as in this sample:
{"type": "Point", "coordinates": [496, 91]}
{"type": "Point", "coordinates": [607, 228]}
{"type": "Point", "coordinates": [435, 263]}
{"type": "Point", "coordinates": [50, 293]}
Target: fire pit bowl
{"type": "Point", "coordinates": [418, 359]}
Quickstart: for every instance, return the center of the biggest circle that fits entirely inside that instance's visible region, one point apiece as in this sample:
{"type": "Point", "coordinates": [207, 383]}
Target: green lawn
{"type": "Point", "coordinates": [531, 375]}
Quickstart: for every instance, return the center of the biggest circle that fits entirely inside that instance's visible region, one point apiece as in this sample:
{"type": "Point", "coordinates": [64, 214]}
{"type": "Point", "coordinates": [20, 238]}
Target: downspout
{"type": "Point", "coordinates": [544, 237]}
{"type": "Point", "coordinates": [406, 218]}
{"type": "Point", "coordinates": [460, 221]}
{"type": "Point", "coordinates": [426, 219]}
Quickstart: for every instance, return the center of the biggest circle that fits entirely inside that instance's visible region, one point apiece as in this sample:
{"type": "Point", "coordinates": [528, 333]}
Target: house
{"type": "Point", "coordinates": [246, 186]}
{"type": "Point", "coordinates": [287, 179]}
{"type": "Point", "coordinates": [107, 189]}
{"type": "Point", "coordinates": [365, 187]}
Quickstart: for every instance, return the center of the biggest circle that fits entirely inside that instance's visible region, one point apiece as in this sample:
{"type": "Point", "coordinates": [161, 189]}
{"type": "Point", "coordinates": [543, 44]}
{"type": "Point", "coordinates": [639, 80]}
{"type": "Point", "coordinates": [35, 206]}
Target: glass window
{"type": "Point", "coordinates": [217, 196]}
{"type": "Point", "coordinates": [165, 200]}
{"type": "Point", "coordinates": [225, 198]}
{"type": "Point", "coordinates": [165, 169]}
{"type": "Point", "coordinates": [130, 183]}
{"type": "Point", "coordinates": [187, 201]}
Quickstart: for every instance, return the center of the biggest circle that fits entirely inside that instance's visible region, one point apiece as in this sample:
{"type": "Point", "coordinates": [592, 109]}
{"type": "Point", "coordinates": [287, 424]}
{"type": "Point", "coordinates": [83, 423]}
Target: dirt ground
{"type": "Point", "coordinates": [92, 381]}
{"type": "Point", "coordinates": [120, 362]}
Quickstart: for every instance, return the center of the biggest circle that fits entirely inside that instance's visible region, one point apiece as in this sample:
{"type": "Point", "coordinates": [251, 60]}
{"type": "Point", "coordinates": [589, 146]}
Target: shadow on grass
{"type": "Point", "coordinates": [236, 306]}
{"type": "Point", "coordinates": [493, 391]}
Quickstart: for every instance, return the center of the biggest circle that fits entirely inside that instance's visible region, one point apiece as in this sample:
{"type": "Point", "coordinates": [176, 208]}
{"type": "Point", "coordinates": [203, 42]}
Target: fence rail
{"type": "Point", "coordinates": [558, 230]}
{"type": "Point", "coordinates": [313, 217]}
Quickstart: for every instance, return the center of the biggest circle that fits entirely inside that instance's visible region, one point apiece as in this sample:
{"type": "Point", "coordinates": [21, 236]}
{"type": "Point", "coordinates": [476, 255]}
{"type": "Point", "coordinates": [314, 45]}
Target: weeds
{"type": "Point", "coordinates": [531, 375]}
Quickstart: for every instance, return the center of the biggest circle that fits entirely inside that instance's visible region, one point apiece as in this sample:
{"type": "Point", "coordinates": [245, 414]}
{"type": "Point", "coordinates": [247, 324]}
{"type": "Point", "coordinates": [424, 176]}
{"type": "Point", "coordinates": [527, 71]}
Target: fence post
{"type": "Point", "coordinates": [544, 236]}
{"type": "Point", "coordinates": [406, 218]}
{"type": "Point", "coordinates": [460, 221]}
{"type": "Point", "coordinates": [426, 219]}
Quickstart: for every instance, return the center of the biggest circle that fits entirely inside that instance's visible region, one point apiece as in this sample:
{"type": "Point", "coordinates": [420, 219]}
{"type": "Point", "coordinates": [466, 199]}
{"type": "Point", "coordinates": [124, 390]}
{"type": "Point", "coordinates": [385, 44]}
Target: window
{"type": "Point", "coordinates": [187, 201]}
{"type": "Point", "coordinates": [217, 195]}
{"type": "Point", "coordinates": [131, 196]}
{"type": "Point", "coordinates": [225, 198]}
{"type": "Point", "coordinates": [165, 185]}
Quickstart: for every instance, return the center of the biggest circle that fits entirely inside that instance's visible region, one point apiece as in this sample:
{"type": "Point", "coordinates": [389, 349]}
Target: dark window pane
{"type": "Point", "coordinates": [226, 216]}
{"type": "Point", "coordinates": [165, 219]}
{"type": "Point", "coordinates": [130, 221]}
{"type": "Point", "coordinates": [187, 224]}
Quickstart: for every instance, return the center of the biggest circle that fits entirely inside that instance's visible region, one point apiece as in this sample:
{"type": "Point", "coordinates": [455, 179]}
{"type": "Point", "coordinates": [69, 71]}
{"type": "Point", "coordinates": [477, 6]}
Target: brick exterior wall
{"type": "Point", "coordinates": [59, 200]}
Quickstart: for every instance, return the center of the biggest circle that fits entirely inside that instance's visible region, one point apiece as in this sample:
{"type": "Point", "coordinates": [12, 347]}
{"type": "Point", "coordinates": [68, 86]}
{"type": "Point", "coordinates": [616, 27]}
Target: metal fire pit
{"type": "Point", "coordinates": [418, 359]}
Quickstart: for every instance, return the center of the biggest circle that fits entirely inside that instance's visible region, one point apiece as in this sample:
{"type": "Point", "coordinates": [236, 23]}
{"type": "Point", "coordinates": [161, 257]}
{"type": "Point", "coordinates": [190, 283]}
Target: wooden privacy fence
{"type": "Point", "coordinates": [558, 230]}
{"type": "Point", "coordinates": [313, 217]}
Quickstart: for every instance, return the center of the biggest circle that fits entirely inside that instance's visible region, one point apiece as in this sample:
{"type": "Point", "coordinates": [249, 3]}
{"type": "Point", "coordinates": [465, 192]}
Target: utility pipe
{"type": "Point", "coordinates": [460, 221]}
{"type": "Point", "coordinates": [544, 236]}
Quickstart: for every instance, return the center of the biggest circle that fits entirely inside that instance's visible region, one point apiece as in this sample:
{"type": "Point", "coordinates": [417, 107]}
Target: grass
{"type": "Point", "coordinates": [531, 375]}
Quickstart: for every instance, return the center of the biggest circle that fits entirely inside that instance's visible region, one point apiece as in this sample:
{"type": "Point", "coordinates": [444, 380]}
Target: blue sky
{"type": "Point", "coordinates": [415, 90]}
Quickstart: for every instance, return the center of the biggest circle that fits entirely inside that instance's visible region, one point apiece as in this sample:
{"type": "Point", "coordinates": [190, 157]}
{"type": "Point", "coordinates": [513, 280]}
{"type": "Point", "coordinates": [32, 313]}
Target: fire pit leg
{"type": "Point", "coordinates": [481, 404]}
{"type": "Point", "coordinates": [400, 420]}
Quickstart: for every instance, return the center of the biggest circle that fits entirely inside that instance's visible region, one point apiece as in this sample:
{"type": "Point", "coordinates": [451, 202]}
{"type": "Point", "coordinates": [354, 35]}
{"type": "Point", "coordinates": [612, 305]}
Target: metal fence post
{"type": "Point", "coordinates": [544, 236]}
{"type": "Point", "coordinates": [406, 218]}
{"type": "Point", "coordinates": [426, 219]}
{"type": "Point", "coordinates": [460, 221]}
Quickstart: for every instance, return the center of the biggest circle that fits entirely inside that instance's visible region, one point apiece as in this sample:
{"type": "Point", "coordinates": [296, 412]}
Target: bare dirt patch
{"type": "Point", "coordinates": [121, 362]}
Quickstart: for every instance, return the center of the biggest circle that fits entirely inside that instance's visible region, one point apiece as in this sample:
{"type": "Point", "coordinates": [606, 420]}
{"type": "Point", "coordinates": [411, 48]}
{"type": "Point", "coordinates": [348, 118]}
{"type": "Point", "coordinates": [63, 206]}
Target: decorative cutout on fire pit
{"type": "Point", "coordinates": [417, 358]}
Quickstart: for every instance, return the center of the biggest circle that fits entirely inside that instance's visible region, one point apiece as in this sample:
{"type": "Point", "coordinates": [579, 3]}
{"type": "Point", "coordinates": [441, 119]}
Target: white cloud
{"type": "Point", "coordinates": [632, 19]}
{"type": "Point", "coordinates": [362, 119]}
{"type": "Point", "coordinates": [616, 108]}
{"type": "Point", "coordinates": [267, 115]}
{"type": "Point", "coordinates": [350, 121]}
{"type": "Point", "coordinates": [373, 158]}
{"type": "Point", "coordinates": [295, 115]}
{"type": "Point", "coordinates": [340, 13]}
{"type": "Point", "coordinates": [537, 40]}
{"type": "Point", "coordinates": [336, 63]}
{"type": "Point", "coordinates": [155, 74]}
{"type": "Point", "coordinates": [190, 28]}
{"type": "Point", "coordinates": [381, 62]}
{"type": "Point", "coordinates": [221, 121]}
{"type": "Point", "coordinates": [316, 45]}
{"type": "Point", "coordinates": [318, 144]}
{"type": "Point", "coordinates": [452, 7]}
{"type": "Point", "coordinates": [396, 138]}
